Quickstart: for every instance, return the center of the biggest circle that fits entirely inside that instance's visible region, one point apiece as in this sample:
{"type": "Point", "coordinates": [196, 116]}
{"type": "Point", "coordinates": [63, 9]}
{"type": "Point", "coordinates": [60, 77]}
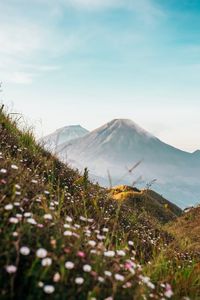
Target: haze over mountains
{"type": "Point", "coordinates": [63, 135]}
{"type": "Point", "coordinates": [120, 144]}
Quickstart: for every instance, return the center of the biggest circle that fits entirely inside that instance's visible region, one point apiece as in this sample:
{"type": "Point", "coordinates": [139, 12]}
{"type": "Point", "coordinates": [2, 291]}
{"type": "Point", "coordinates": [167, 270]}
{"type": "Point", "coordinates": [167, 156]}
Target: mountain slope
{"type": "Point", "coordinates": [63, 135]}
{"type": "Point", "coordinates": [146, 200]}
{"type": "Point", "coordinates": [64, 238]}
{"type": "Point", "coordinates": [121, 143]}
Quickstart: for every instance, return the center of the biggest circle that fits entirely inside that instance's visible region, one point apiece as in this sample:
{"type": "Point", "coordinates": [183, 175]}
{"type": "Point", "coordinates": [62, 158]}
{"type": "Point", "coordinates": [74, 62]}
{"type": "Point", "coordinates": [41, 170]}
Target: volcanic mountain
{"type": "Point", "coordinates": [63, 135]}
{"type": "Point", "coordinates": [121, 144]}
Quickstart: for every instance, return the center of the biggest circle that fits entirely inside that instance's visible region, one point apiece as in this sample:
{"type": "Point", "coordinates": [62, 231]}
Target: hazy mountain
{"type": "Point", "coordinates": [118, 145]}
{"type": "Point", "coordinates": [63, 135]}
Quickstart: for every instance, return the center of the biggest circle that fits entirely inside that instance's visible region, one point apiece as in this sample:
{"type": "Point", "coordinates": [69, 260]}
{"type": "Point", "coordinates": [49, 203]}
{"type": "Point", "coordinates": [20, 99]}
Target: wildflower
{"type": "Point", "coordinates": [101, 237]}
{"type": "Point", "coordinates": [34, 181]}
{"type": "Point", "coordinates": [11, 269]}
{"type": "Point", "coordinates": [3, 171]}
{"type": "Point", "coordinates": [121, 253]}
{"type": "Point", "coordinates": [17, 186]}
{"type": "Point", "coordinates": [31, 221]}
{"type": "Point", "coordinates": [8, 207]}
{"type": "Point", "coordinates": [46, 262]}
{"type": "Point", "coordinates": [168, 293]}
{"type": "Point", "coordinates": [83, 219]}
{"type": "Point", "coordinates": [41, 253]}
{"type": "Point", "coordinates": [13, 220]}
{"type": "Point", "coordinates": [101, 279]}
{"type": "Point", "coordinates": [27, 214]}
{"type": "Point", "coordinates": [119, 277]}
{"type": "Point", "coordinates": [48, 217]}
{"type": "Point", "coordinates": [109, 253]}
{"type": "Point", "coordinates": [49, 289]}
{"type": "Point", "coordinates": [151, 285]}
{"type": "Point", "coordinates": [69, 265]}
{"type": "Point", "coordinates": [67, 226]}
{"type": "Point", "coordinates": [87, 268]}
{"type": "Point", "coordinates": [130, 243]}
{"type": "Point", "coordinates": [68, 219]}
{"type": "Point", "coordinates": [40, 284]}
{"type": "Point", "coordinates": [24, 251]}
{"type": "Point", "coordinates": [67, 233]}
{"type": "Point", "coordinates": [14, 167]}
{"type": "Point", "coordinates": [81, 254]}
{"type": "Point", "coordinates": [92, 243]}
{"type": "Point", "coordinates": [79, 280]}
{"type": "Point", "coordinates": [56, 277]}
{"type": "Point", "coordinates": [108, 273]}
{"type": "Point", "coordinates": [15, 234]}
{"type": "Point", "coordinates": [105, 229]}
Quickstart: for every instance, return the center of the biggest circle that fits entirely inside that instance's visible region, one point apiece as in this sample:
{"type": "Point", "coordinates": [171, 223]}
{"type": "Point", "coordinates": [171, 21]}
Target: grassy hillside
{"type": "Point", "coordinates": [146, 200]}
{"type": "Point", "coordinates": [65, 238]}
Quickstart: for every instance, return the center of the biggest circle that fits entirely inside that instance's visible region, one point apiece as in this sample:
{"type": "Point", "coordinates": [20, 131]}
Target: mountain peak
{"type": "Point", "coordinates": [127, 124]}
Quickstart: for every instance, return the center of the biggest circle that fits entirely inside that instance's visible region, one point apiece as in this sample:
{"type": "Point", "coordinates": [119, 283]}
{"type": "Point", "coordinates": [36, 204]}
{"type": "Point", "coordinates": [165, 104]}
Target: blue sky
{"type": "Point", "coordinates": [89, 61]}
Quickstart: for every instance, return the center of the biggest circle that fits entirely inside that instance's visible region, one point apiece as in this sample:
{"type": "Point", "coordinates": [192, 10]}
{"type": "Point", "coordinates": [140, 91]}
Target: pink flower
{"type": "Point", "coordinates": [81, 254]}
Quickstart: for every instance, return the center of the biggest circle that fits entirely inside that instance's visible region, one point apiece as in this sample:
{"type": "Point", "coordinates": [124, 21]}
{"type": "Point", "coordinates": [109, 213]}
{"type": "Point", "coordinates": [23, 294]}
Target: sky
{"type": "Point", "coordinates": [87, 62]}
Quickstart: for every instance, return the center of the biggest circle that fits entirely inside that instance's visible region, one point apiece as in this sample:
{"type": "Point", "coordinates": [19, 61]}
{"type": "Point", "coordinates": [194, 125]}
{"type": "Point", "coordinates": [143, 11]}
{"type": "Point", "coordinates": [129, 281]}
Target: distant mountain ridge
{"type": "Point", "coordinates": [63, 135]}
{"type": "Point", "coordinates": [119, 144]}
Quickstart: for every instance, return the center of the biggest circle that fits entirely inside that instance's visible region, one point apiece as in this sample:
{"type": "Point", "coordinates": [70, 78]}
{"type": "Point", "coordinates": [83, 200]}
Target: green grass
{"type": "Point", "coordinates": [59, 210]}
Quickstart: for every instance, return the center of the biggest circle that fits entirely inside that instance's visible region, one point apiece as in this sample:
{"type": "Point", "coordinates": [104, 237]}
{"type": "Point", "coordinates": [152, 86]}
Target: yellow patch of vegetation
{"type": "Point", "coordinates": [124, 192]}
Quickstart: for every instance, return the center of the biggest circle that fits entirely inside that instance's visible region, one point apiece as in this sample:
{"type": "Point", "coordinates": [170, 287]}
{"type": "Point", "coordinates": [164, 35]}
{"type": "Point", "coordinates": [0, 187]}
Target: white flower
{"type": "Point", "coordinates": [11, 269]}
{"type": "Point", "coordinates": [121, 253]}
{"type": "Point", "coordinates": [151, 285]}
{"type": "Point", "coordinates": [8, 207]}
{"type": "Point", "coordinates": [68, 219]}
{"type": "Point", "coordinates": [27, 214]}
{"type": "Point", "coordinates": [130, 243]}
{"type": "Point", "coordinates": [92, 243]}
{"type": "Point", "coordinates": [169, 293]}
{"type": "Point", "coordinates": [46, 262]}
{"type": "Point", "coordinates": [48, 217]}
{"type": "Point", "coordinates": [119, 277]}
{"type": "Point", "coordinates": [15, 234]}
{"type": "Point", "coordinates": [101, 279]}
{"type": "Point", "coordinates": [49, 289]}
{"type": "Point", "coordinates": [101, 237]}
{"type": "Point", "coordinates": [56, 277]}
{"type": "Point", "coordinates": [40, 284]}
{"type": "Point", "coordinates": [109, 253]}
{"type": "Point", "coordinates": [69, 265]}
{"type": "Point", "coordinates": [41, 253]}
{"type": "Point", "coordinates": [13, 220]}
{"type": "Point", "coordinates": [24, 250]}
{"type": "Point", "coordinates": [79, 280]}
{"type": "Point", "coordinates": [67, 226]}
{"type": "Point", "coordinates": [105, 229]}
{"type": "Point", "coordinates": [108, 273]}
{"type": "Point", "coordinates": [14, 167]}
{"type": "Point", "coordinates": [87, 268]}
{"type": "Point", "coordinates": [31, 221]}
{"type": "Point", "coordinates": [83, 219]}
{"type": "Point", "coordinates": [67, 233]}
{"type": "Point", "coordinates": [3, 171]}
{"type": "Point", "coordinates": [34, 181]}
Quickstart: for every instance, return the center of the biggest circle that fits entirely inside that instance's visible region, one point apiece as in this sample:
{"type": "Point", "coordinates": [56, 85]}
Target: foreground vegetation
{"type": "Point", "coordinates": [65, 238]}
